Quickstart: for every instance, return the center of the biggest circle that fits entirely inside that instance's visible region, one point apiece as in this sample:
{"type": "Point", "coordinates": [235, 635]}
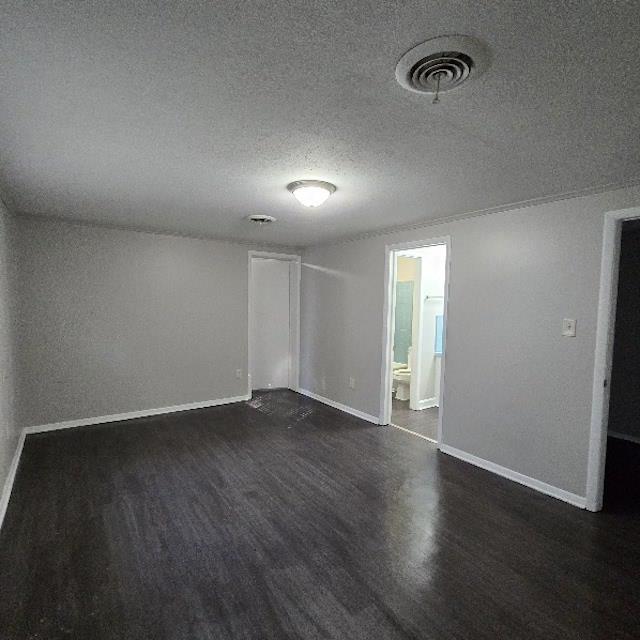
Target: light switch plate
{"type": "Point", "coordinates": [569, 328]}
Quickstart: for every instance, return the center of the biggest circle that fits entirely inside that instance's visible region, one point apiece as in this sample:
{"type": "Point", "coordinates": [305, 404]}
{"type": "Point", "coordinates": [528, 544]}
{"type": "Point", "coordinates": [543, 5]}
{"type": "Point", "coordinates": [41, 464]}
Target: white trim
{"type": "Point", "coordinates": [42, 217]}
{"type": "Point", "coordinates": [527, 481]}
{"type": "Point", "coordinates": [85, 422]}
{"type": "Point", "coordinates": [387, 325]}
{"type": "Point", "coordinates": [118, 417]}
{"type": "Point", "coordinates": [386, 370]}
{"type": "Point", "coordinates": [295, 278]}
{"type": "Point", "coordinates": [268, 255]}
{"type": "Point", "coordinates": [624, 436]}
{"type": "Point", "coordinates": [342, 407]}
{"type": "Point", "coordinates": [417, 329]}
{"type": "Point", "coordinates": [11, 476]}
{"type": "Point", "coordinates": [294, 313]}
{"type": "Point", "coordinates": [445, 324]}
{"type": "Point", "coordinates": [413, 433]}
{"type": "Point", "coordinates": [604, 353]}
{"type": "Point", "coordinates": [510, 207]}
{"type": "Point", "coordinates": [428, 403]}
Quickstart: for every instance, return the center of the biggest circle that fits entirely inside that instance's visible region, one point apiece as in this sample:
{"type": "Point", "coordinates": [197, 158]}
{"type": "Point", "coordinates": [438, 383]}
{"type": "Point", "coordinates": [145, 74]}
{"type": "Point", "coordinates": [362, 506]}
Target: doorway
{"type": "Point", "coordinates": [415, 321]}
{"type": "Point", "coordinates": [274, 321]}
{"type": "Point", "coordinates": [622, 469]}
{"type": "Point", "coordinates": [618, 319]}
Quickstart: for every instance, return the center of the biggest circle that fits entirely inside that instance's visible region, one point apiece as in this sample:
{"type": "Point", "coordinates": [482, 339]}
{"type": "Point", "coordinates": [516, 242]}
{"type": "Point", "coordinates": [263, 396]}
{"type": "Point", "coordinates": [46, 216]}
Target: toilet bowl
{"type": "Point", "coordinates": [402, 378]}
{"type": "Point", "coordinates": [402, 383]}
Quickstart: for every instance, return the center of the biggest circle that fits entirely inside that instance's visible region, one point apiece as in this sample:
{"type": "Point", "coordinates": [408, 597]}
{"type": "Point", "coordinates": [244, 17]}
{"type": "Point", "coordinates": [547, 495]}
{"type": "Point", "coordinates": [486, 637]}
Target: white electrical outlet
{"type": "Point", "coordinates": [352, 383]}
{"type": "Point", "coordinates": [569, 328]}
{"type": "Point", "coordinates": [238, 373]}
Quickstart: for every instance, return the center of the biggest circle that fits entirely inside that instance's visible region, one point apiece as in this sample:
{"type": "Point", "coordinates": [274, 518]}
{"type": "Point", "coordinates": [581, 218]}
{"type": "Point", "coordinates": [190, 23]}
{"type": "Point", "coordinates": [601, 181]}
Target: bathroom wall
{"type": "Point", "coordinates": [408, 270]}
{"type": "Point", "coordinates": [426, 267]}
{"type": "Point", "coordinates": [433, 262]}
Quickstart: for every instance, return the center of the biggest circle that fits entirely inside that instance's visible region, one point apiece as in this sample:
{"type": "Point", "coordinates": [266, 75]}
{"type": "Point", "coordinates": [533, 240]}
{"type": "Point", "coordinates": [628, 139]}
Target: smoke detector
{"type": "Point", "coordinates": [442, 64]}
{"type": "Point", "coordinates": [261, 219]}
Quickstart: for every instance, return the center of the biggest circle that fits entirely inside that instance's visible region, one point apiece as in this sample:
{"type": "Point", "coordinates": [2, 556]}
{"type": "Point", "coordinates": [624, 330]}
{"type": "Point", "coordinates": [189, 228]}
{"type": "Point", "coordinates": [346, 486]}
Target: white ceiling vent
{"type": "Point", "coordinates": [261, 219]}
{"type": "Point", "coordinates": [442, 64]}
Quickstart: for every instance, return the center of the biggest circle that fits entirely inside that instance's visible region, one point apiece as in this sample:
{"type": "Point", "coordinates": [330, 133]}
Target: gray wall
{"type": "Point", "coordinates": [115, 321]}
{"type": "Point", "coordinates": [624, 405]}
{"type": "Point", "coordinates": [516, 393]}
{"type": "Point", "coordinates": [8, 428]}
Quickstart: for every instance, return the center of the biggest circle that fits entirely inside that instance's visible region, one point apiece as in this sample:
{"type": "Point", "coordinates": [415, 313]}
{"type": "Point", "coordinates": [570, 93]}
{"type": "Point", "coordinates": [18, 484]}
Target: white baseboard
{"type": "Point", "coordinates": [342, 407]}
{"type": "Point", "coordinates": [538, 485]}
{"type": "Point", "coordinates": [84, 422]}
{"type": "Point", "coordinates": [11, 476]}
{"type": "Point", "coordinates": [623, 436]}
{"type": "Point", "coordinates": [429, 403]}
{"type": "Point", "coordinates": [118, 417]}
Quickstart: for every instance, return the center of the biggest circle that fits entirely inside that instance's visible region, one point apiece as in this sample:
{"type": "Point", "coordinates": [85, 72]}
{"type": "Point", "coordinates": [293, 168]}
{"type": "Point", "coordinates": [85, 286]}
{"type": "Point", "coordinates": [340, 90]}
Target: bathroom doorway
{"type": "Point", "coordinates": [415, 337]}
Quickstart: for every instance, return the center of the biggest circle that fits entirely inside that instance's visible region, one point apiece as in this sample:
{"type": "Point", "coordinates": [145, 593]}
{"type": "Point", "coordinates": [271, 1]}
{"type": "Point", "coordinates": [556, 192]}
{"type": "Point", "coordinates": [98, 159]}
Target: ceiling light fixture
{"type": "Point", "coordinates": [311, 193]}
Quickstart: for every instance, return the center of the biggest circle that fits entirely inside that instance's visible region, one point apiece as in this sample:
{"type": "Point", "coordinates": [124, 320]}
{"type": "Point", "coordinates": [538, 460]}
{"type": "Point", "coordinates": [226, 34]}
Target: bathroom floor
{"type": "Point", "coordinates": [424, 423]}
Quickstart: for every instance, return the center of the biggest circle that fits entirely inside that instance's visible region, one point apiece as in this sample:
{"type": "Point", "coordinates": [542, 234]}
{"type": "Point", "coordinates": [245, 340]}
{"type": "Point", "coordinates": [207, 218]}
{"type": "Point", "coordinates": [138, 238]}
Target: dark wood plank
{"type": "Point", "coordinates": [283, 518]}
{"type": "Point", "coordinates": [423, 422]}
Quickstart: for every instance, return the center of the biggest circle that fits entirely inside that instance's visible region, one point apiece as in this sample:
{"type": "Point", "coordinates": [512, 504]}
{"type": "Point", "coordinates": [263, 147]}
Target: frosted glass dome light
{"type": "Point", "coordinates": [311, 193]}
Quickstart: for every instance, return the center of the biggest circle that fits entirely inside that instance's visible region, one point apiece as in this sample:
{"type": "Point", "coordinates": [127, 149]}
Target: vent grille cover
{"type": "Point", "coordinates": [261, 219]}
{"type": "Point", "coordinates": [450, 68]}
{"type": "Point", "coordinates": [442, 64]}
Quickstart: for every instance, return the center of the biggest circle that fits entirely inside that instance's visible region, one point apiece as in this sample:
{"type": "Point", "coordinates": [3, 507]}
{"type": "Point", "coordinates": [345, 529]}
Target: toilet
{"type": "Point", "coordinates": [402, 379]}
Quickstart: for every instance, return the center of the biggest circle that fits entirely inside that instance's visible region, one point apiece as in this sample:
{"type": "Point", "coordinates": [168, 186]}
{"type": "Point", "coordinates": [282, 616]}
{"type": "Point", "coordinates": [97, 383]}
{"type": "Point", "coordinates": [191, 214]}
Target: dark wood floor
{"type": "Point", "coordinates": [284, 518]}
{"type": "Point", "coordinates": [423, 422]}
{"type": "Point", "coordinates": [622, 480]}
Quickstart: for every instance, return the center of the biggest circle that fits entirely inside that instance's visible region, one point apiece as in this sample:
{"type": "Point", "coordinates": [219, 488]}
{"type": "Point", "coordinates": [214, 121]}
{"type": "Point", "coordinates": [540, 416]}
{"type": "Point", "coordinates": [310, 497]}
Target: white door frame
{"type": "Point", "coordinates": [416, 341]}
{"type": "Point", "coordinates": [388, 322]}
{"type": "Point", "coordinates": [605, 332]}
{"type": "Point", "coordinates": [294, 314]}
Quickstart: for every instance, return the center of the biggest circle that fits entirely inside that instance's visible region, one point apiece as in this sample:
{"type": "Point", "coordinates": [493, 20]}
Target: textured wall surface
{"type": "Point", "coordinates": [187, 116]}
{"type": "Point", "coordinates": [8, 429]}
{"type": "Point", "coordinates": [516, 392]}
{"type": "Point", "coordinates": [115, 321]}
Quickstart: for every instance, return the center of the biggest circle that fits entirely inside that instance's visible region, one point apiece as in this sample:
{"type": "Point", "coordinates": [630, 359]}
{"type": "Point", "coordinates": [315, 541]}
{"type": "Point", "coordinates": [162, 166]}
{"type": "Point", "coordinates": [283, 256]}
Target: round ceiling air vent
{"type": "Point", "coordinates": [442, 64]}
{"type": "Point", "coordinates": [261, 219]}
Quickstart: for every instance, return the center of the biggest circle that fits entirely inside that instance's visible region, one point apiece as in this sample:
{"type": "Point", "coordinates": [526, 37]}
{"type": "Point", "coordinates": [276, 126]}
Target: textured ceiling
{"type": "Point", "coordinates": [189, 116]}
